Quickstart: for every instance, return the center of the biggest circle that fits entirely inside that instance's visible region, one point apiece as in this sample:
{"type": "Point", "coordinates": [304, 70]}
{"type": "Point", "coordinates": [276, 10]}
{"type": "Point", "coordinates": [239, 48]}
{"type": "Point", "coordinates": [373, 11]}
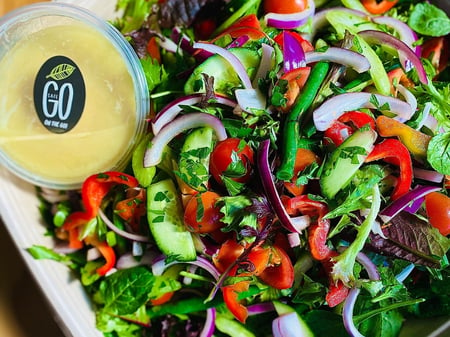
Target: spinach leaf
{"type": "Point", "coordinates": [427, 19]}
{"type": "Point", "coordinates": [125, 291]}
{"type": "Point", "coordinates": [438, 153]}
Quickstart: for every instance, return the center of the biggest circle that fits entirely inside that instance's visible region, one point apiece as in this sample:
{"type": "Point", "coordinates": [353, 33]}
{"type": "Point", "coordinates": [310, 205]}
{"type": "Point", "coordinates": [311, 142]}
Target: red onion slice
{"type": "Point", "coordinates": [290, 325]}
{"type": "Point", "coordinates": [171, 110]}
{"type": "Point", "coordinates": [230, 57]}
{"type": "Point", "coordinates": [342, 56]}
{"type": "Point", "coordinates": [270, 189]}
{"type": "Point", "coordinates": [401, 203]}
{"type": "Point", "coordinates": [265, 65]}
{"type": "Point", "coordinates": [159, 265]}
{"type": "Point", "coordinates": [405, 33]}
{"type": "Point", "coordinates": [428, 175]}
{"type": "Point", "coordinates": [334, 107]}
{"type": "Point", "coordinates": [209, 326]}
{"type": "Point", "coordinates": [407, 57]}
{"type": "Point", "coordinates": [153, 155]}
{"type": "Point", "coordinates": [347, 313]}
{"type": "Point", "coordinates": [250, 99]}
{"type": "Point", "coordinates": [293, 53]}
{"type": "Point", "coordinates": [121, 232]}
{"type": "Point", "coordinates": [290, 21]}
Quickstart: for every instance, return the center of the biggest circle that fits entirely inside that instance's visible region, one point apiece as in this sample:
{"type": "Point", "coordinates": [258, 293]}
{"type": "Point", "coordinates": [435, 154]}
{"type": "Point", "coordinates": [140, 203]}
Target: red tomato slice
{"type": "Point", "coordinates": [228, 153]}
{"type": "Point", "coordinates": [437, 206]}
{"type": "Point", "coordinates": [210, 216]}
{"type": "Point", "coordinates": [284, 6]}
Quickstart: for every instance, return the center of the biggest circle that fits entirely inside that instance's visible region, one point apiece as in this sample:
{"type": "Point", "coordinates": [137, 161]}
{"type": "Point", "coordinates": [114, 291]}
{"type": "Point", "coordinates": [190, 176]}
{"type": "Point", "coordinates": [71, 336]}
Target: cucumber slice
{"type": "Point", "coordinates": [193, 166]}
{"type": "Point", "coordinates": [165, 217]}
{"type": "Point", "coordinates": [143, 174]}
{"type": "Point", "coordinates": [345, 160]}
{"type": "Point", "coordinates": [225, 78]}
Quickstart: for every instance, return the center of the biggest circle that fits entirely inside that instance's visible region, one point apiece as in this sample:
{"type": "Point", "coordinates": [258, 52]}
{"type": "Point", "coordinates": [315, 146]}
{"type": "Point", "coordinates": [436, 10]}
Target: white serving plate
{"type": "Point", "coordinates": [71, 307]}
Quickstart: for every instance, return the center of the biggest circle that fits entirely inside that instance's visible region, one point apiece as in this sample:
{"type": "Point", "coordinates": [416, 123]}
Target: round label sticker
{"type": "Point", "coordinates": [59, 94]}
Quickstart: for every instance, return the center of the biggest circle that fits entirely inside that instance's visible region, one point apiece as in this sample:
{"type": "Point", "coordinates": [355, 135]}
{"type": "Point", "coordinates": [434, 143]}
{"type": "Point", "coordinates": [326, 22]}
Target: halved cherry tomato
{"type": "Point", "coordinates": [248, 25]}
{"type": "Point", "coordinates": [280, 272]}
{"type": "Point", "coordinates": [303, 158]}
{"type": "Point", "coordinates": [345, 125]}
{"type": "Point", "coordinates": [204, 219]}
{"type": "Point", "coordinates": [284, 6]}
{"type": "Point", "coordinates": [232, 158]}
{"type": "Point", "coordinates": [378, 7]}
{"type": "Point", "coordinates": [132, 208]}
{"type": "Point", "coordinates": [437, 206]}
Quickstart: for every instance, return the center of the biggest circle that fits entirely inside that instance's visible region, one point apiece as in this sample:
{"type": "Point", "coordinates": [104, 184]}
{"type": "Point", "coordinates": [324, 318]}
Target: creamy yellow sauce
{"type": "Point", "coordinates": [108, 122]}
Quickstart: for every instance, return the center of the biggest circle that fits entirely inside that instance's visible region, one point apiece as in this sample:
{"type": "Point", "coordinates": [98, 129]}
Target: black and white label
{"type": "Point", "coordinates": [59, 94]}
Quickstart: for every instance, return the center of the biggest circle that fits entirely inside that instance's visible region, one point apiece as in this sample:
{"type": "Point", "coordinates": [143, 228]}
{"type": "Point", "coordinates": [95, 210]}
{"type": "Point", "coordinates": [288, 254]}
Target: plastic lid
{"type": "Point", "coordinates": [74, 96]}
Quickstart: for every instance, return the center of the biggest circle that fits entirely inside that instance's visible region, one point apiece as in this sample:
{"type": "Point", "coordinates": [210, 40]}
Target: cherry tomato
{"type": "Point", "coordinates": [205, 219]}
{"type": "Point", "coordinates": [284, 6]}
{"type": "Point", "coordinates": [437, 206]}
{"type": "Point", "coordinates": [280, 272]}
{"type": "Point", "coordinates": [232, 158]}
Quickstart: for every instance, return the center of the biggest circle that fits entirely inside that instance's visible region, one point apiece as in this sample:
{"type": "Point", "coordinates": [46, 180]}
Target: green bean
{"type": "Point", "coordinates": [291, 129]}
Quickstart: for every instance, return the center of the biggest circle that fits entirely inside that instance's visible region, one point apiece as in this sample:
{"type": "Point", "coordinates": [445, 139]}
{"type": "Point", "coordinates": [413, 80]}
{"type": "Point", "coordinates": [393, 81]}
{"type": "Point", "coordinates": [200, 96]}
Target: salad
{"type": "Point", "coordinates": [294, 179]}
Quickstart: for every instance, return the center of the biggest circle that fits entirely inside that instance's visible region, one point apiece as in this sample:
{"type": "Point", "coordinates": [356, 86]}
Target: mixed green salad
{"type": "Point", "coordinates": [294, 179]}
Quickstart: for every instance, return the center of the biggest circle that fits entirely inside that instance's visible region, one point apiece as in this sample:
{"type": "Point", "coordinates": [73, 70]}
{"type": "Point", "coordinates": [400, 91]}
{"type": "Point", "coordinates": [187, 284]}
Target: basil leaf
{"type": "Point", "coordinates": [427, 19]}
{"type": "Point", "coordinates": [126, 290]}
{"type": "Point", "coordinates": [438, 153]}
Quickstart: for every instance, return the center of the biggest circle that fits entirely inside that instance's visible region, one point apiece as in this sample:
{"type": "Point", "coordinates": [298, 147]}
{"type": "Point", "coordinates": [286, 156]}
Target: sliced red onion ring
{"type": "Point", "coordinates": [320, 19]}
{"type": "Point", "coordinates": [171, 110]}
{"type": "Point", "coordinates": [349, 304]}
{"type": "Point", "coordinates": [342, 56]}
{"type": "Point", "coordinates": [260, 308]}
{"type": "Point", "coordinates": [407, 57]}
{"type": "Point", "coordinates": [290, 325]}
{"type": "Point", "coordinates": [401, 203]}
{"type": "Point", "coordinates": [250, 99]}
{"type": "Point", "coordinates": [294, 239]}
{"type": "Point", "coordinates": [347, 313]}
{"type": "Point", "coordinates": [209, 326]}
{"type": "Point", "coordinates": [121, 232]}
{"type": "Point", "coordinates": [265, 65]}
{"type": "Point", "coordinates": [293, 53]}
{"type": "Point", "coordinates": [169, 45]}
{"type": "Point", "coordinates": [290, 21]}
{"type": "Point", "coordinates": [230, 57]}
{"type": "Point", "coordinates": [428, 175]}
{"type": "Point", "coordinates": [409, 98]}
{"type": "Point", "coordinates": [153, 155]}
{"type": "Point", "coordinates": [405, 33]}
{"type": "Point", "coordinates": [262, 160]}
{"type": "Point", "coordinates": [159, 265]}
{"type": "Point", "coordinates": [334, 107]}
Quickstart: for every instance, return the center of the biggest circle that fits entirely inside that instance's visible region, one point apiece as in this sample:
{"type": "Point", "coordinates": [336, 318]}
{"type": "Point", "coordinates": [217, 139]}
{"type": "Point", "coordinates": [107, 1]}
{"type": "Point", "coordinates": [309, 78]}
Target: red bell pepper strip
{"type": "Point", "coordinates": [318, 230]}
{"type": "Point", "coordinates": [132, 209]}
{"type": "Point", "coordinates": [378, 7]}
{"type": "Point", "coordinates": [231, 298]}
{"type": "Point", "coordinates": [436, 49]}
{"type": "Point", "coordinates": [247, 25]}
{"type": "Point", "coordinates": [394, 152]}
{"type": "Point", "coordinates": [346, 124]}
{"type": "Point", "coordinates": [96, 187]}
{"type": "Point", "coordinates": [93, 191]}
{"type": "Point", "coordinates": [107, 252]}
